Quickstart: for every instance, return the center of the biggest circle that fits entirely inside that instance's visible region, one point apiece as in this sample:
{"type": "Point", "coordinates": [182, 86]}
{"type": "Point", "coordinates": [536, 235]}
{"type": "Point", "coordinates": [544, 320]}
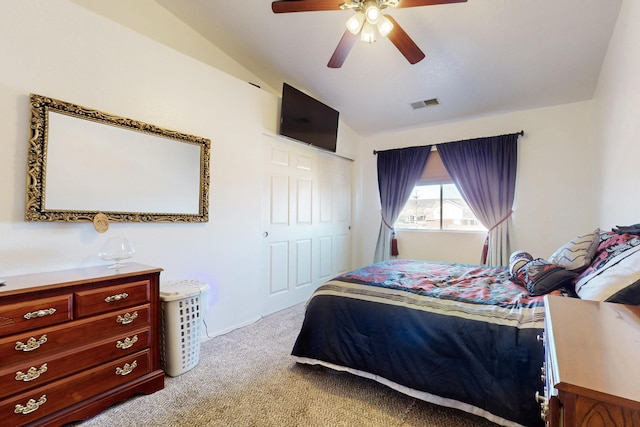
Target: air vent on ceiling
{"type": "Point", "coordinates": [426, 103]}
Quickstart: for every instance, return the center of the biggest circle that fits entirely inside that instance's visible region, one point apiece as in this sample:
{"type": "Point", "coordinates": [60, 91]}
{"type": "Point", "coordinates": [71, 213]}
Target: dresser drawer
{"type": "Point", "coordinates": [33, 344]}
{"type": "Point", "coordinates": [42, 370]}
{"type": "Point", "coordinates": [35, 314]}
{"type": "Point", "coordinates": [101, 300]}
{"type": "Point", "coordinates": [31, 405]}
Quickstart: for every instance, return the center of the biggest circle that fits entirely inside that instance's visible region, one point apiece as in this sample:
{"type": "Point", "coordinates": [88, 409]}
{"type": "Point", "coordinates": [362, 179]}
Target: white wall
{"type": "Point", "coordinates": [554, 197]}
{"type": "Point", "coordinates": [62, 50]}
{"type": "Point", "coordinates": [617, 104]}
{"type": "Point", "coordinates": [555, 183]}
{"type": "Point", "coordinates": [148, 18]}
{"type": "Point", "coordinates": [452, 246]}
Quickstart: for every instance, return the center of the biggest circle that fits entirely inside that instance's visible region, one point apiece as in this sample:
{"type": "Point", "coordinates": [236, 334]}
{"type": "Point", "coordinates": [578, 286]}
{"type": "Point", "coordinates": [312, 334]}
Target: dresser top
{"type": "Point", "coordinates": [15, 285]}
{"type": "Point", "coordinates": [596, 347]}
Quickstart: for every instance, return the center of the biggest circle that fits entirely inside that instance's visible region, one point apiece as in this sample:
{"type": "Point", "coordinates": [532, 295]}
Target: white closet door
{"type": "Point", "coordinates": [333, 228]}
{"type": "Point", "coordinates": [307, 214]}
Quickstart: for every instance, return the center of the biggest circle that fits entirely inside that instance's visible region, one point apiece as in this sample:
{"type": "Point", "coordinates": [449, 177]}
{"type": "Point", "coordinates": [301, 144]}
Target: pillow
{"type": "Point", "coordinates": [611, 246]}
{"type": "Point", "coordinates": [616, 277]}
{"type": "Point", "coordinates": [577, 254]}
{"type": "Point", "coordinates": [517, 260]}
{"type": "Point", "coordinates": [541, 277]}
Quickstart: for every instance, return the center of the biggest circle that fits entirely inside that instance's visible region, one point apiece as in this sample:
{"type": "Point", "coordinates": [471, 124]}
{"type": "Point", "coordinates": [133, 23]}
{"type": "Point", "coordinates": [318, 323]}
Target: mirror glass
{"type": "Point", "coordinates": [83, 162]}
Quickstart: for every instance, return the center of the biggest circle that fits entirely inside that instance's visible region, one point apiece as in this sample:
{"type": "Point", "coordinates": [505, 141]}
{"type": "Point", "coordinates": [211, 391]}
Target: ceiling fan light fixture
{"type": "Point", "coordinates": [374, 21]}
{"type": "Point", "coordinates": [368, 33]}
{"type": "Point", "coordinates": [349, 4]}
{"type": "Point", "coordinates": [354, 24]}
{"type": "Point", "coordinates": [384, 26]}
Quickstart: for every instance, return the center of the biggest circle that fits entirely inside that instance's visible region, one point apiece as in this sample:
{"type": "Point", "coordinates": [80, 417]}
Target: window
{"type": "Point", "coordinates": [436, 203]}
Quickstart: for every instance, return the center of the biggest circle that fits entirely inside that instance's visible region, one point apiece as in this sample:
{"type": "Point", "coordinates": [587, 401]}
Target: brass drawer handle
{"type": "Point", "coordinates": [544, 411]}
{"type": "Point", "coordinates": [39, 313]}
{"type": "Point", "coordinates": [31, 374]}
{"type": "Point", "coordinates": [127, 368]}
{"type": "Point", "coordinates": [544, 405]}
{"type": "Point", "coordinates": [127, 318]}
{"type": "Point", "coordinates": [31, 405]}
{"type": "Point", "coordinates": [127, 343]}
{"type": "Point", "coordinates": [32, 344]}
{"type": "Point", "coordinates": [117, 297]}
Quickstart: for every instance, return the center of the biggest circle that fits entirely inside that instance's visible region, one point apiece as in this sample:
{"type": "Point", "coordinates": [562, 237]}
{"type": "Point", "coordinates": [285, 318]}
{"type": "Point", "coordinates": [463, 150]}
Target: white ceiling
{"type": "Point", "coordinates": [483, 56]}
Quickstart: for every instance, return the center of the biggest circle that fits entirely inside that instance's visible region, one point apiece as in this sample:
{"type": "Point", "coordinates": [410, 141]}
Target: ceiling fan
{"type": "Point", "coordinates": [364, 23]}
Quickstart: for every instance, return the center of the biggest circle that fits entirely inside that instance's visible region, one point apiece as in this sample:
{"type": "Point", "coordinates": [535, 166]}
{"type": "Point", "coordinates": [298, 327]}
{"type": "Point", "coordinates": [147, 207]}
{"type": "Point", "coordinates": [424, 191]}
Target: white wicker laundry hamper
{"type": "Point", "coordinates": [183, 307]}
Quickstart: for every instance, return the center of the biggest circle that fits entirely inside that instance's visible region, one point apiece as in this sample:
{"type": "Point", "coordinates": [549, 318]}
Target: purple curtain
{"type": "Point", "coordinates": [484, 170]}
{"type": "Point", "coordinates": [398, 172]}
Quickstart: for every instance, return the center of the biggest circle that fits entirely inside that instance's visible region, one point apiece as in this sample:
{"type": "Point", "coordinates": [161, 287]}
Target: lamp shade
{"type": "Point", "coordinates": [354, 24]}
{"type": "Point", "coordinates": [384, 26]}
{"type": "Point", "coordinates": [373, 14]}
{"type": "Point", "coordinates": [368, 33]}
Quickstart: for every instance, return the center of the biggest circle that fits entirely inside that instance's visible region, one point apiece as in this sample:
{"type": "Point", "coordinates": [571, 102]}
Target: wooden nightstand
{"type": "Point", "coordinates": [592, 358]}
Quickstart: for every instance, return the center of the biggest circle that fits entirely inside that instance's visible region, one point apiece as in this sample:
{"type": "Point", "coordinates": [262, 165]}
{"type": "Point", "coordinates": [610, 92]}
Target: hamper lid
{"type": "Point", "coordinates": [178, 289]}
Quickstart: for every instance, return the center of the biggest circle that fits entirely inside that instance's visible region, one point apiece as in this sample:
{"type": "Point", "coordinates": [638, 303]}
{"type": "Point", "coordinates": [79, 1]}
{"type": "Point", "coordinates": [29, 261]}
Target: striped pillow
{"type": "Point", "coordinates": [518, 259]}
{"type": "Point", "coordinates": [577, 254]}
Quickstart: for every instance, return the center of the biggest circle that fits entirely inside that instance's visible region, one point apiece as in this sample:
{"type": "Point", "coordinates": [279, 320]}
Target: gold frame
{"type": "Point", "coordinates": [37, 165]}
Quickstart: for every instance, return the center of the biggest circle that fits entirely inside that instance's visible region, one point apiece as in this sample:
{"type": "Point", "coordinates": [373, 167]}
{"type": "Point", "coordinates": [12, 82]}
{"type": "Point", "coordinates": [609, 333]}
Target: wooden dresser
{"type": "Point", "coordinates": [592, 367]}
{"type": "Point", "coordinates": [75, 342]}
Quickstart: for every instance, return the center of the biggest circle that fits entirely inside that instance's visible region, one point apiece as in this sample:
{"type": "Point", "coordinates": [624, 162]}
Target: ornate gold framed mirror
{"type": "Point", "coordinates": [83, 162]}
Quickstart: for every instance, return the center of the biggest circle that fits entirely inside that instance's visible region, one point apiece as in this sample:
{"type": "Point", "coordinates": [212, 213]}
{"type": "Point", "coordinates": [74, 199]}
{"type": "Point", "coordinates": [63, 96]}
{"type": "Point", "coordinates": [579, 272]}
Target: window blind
{"type": "Point", "coordinates": [434, 171]}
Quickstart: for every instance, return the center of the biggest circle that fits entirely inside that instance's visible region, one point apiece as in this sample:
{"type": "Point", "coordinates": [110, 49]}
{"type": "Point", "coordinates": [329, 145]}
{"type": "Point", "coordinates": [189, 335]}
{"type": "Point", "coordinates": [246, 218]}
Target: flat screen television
{"type": "Point", "coordinates": [308, 120]}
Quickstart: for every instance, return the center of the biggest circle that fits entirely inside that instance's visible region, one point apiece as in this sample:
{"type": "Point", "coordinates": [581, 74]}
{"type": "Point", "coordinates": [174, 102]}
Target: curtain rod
{"type": "Point", "coordinates": [521, 133]}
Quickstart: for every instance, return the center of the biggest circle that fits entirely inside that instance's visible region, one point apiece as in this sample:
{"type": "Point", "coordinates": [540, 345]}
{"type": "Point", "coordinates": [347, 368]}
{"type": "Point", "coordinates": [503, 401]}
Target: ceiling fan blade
{"type": "Point", "coordinates": [342, 50]}
{"type": "Point", "coordinates": [415, 3]}
{"type": "Point", "coordinates": [286, 6]}
{"type": "Point", "coordinates": [403, 42]}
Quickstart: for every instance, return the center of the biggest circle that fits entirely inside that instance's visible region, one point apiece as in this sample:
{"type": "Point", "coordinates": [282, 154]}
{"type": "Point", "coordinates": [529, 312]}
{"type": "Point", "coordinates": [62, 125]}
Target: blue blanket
{"type": "Point", "coordinates": [471, 353]}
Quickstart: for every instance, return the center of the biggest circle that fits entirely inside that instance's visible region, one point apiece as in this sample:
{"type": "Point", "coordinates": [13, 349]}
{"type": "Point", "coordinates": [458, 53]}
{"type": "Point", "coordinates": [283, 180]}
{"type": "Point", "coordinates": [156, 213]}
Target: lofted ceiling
{"type": "Point", "coordinates": [482, 57]}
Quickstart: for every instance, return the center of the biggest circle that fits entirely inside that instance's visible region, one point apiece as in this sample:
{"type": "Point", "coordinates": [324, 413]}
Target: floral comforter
{"type": "Point", "coordinates": [461, 282]}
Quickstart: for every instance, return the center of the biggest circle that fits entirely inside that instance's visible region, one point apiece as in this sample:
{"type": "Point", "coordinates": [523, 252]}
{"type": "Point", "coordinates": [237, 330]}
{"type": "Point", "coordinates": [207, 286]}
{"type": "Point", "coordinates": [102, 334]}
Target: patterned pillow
{"type": "Point", "coordinates": [541, 277]}
{"type": "Point", "coordinates": [611, 245]}
{"type": "Point", "coordinates": [577, 254]}
{"type": "Point", "coordinates": [614, 274]}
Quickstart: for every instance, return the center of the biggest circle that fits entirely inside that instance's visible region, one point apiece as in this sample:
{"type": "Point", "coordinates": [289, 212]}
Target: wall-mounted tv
{"type": "Point", "coordinates": [308, 120]}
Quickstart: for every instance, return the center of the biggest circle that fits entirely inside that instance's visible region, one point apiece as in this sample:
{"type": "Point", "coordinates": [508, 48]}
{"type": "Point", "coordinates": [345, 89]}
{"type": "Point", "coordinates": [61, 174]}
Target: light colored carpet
{"type": "Point", "coordinates": [247, 378]}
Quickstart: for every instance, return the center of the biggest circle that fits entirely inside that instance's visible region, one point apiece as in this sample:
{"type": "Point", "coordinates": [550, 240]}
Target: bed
{"type": "Point", "coordinates": [459, 335]}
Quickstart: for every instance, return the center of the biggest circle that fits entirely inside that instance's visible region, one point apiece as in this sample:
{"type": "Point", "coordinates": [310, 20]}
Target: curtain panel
{"type": "Point", "coordinates": [484, 170]}
{"type": "Point", "coordinates": [398, 172]}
